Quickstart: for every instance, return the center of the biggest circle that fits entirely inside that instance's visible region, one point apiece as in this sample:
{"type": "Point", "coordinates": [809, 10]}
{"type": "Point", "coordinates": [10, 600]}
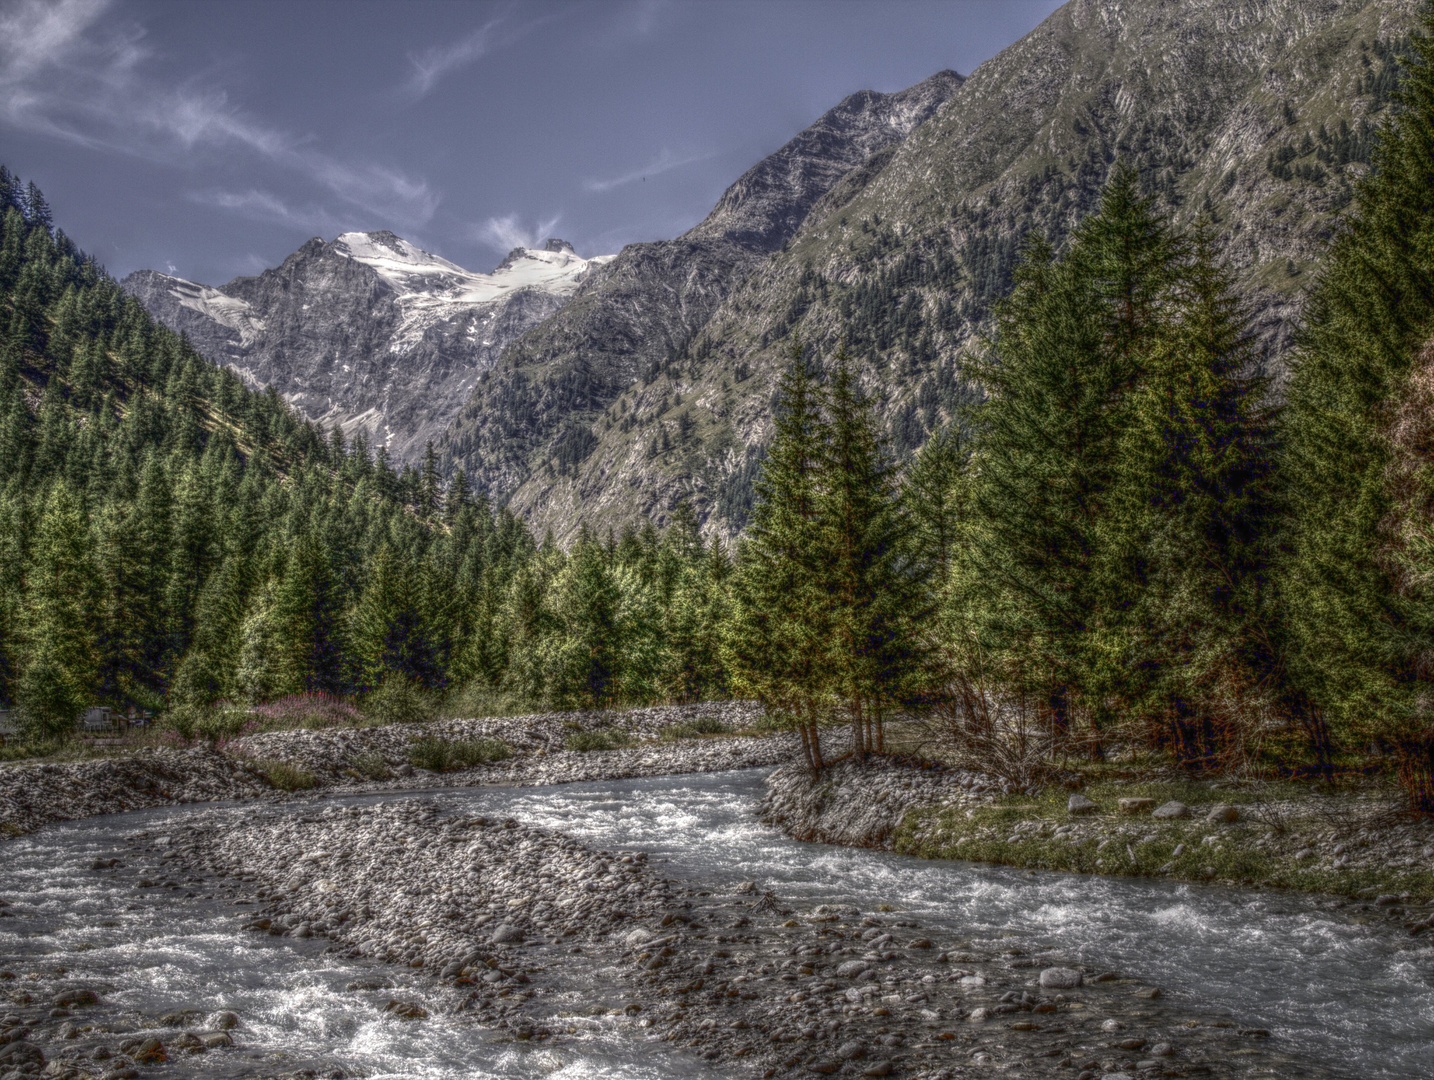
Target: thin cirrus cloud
{"type": "Point", "coordinates": [664, 162]}
{"type": "Point", "coordinates": [432, 64]}
{"type": "Point", "coordinates": [507, 232]}
{"type": "Point", "coordinates": [70, 72]}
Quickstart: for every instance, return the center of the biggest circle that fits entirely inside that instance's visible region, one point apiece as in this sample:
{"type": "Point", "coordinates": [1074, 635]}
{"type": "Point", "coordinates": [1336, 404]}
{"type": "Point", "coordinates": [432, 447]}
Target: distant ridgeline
{"type": "Point", "coordinates": [168, 535]}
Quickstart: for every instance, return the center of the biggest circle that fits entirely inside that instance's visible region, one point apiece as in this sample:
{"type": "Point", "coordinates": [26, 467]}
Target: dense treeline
{"type": "Point", "coordinates": [1124, 542]}
{"type": "Point", "coordinates": [168, 536]}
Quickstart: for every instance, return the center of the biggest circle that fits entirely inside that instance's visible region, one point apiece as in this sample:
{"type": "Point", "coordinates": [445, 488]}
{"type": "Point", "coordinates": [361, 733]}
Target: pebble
{"type": "Point", "coordinates": [1136, 805]}
{"type": "Point", "coordinates": [1060, 978]}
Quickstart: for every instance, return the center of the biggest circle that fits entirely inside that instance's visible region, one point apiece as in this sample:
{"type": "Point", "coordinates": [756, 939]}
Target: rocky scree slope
{"type": "Point", "coordinates": [368, 332]}
{"type": "Point", "coordinates": [528, 426]}
{"type": "Point", "coordinates": [1257, 113]}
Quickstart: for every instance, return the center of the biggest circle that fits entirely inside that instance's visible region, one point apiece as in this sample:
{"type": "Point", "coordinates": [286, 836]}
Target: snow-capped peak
{"type": "Point", "coordinates": [411, 270]}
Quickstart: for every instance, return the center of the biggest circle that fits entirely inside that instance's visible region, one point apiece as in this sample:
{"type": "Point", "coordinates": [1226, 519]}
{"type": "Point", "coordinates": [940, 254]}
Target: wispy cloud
{"type": "Point", "coordinates": [664, 162]}
{"type": "Point", "coordinates": [435, 62]}
{"type": "Point", "coordinates": [260, 205]}
{"type": "Point", "coordinates": [507, 232]}
{"type": "Point", "coordinates": [70, 70]}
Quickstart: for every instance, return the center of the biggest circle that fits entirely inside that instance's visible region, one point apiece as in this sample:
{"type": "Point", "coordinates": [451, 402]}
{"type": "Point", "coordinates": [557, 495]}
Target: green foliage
{"type": "Point", "coordinates": [400, 701]}
{"type": "Point", "coordinates": [211, 723]}
{"type": "Point", "coordinates": [597, 739]}
{"type": "Point", "coordinates": [449, 755]}
{"type": "Point", "coordinates": [370, 765]}
{"type": "Point", "coordinates": [169, 538]}
{"type": "Point", "coordinates": [286, 777]}
{"type": "Point", "coordinates": [693, 729]}
{"type": "Point", "coordinates": [1119, 508]}
{"type": "Point", "coordinates": [1356, 599]}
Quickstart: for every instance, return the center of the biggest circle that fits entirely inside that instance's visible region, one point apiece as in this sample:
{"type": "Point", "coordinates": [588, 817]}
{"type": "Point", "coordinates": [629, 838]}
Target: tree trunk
{"type": "Point", "coordinates": [1416, 771]}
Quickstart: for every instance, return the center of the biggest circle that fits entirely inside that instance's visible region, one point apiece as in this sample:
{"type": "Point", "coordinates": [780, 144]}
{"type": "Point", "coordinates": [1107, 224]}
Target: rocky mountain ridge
{"type": "Point", "coordinates": [530, 417]}
{"type": "Point", "coordinates": [1257, 114]}
{"type": "Point", "coordinates": [369, 332]}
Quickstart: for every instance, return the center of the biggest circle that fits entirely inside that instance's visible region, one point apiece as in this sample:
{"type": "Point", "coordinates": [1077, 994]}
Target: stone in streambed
{"type": "Point", "coordinates": [1079, 804]}
{"type": "Point", "coordinates": [506, 933]}
{"type": "Point", "coordinates": [74, 999]}
{"type": "Point", "coordinates": [850, 1051]}
{"type": "Point", "coordinates": [1061, 978]}
{"type": "Point", "coordinates": [1135, 806]}
{"type": "Point", "coordinates": [877, 1068]}
{"type": "Point", "coordinates": [21, 1055]}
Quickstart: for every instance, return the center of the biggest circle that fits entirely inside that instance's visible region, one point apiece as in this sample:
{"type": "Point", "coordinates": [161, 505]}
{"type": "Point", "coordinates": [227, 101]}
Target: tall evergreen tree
{"type": "Point", "coordinates": [777, 641]}
{"type": "Point", "coordinates": [1361, 648]}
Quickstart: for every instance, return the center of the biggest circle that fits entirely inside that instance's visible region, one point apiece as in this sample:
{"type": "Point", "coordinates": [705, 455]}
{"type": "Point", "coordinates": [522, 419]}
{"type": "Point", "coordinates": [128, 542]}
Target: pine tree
{"type": "Point", "coordinates": [876, 593]}
{"type": "Point", "coordinates": [1361, 649]}
{"type": "Point", "coordinates": [1193, 517]}
{"type": "Point", "coordinates": [1069, 349]}
{"type": "Point", "coordinates": [776, 645]}
{"type": "Point", "coordinates": [60, 620]}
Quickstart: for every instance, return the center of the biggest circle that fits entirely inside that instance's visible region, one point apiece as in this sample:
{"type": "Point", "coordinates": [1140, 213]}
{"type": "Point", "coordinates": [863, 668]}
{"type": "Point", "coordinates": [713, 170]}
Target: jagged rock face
{"type": "Point", "coordinates": [532, 412]}
{"type": "Point", "coordinates": [1232, 108]}
{"type": "Point", "coordinates": [368, 332]}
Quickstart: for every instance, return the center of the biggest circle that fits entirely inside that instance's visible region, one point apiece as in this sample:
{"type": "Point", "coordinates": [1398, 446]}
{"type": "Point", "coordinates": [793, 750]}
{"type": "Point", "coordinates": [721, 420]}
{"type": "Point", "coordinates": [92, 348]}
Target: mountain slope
{"type": "Point", "coordinates": [532, 413]}
{"type": "Point", "coordinates": [1257, 113]}
{"type": "Point", "coordinates": [368, 332]}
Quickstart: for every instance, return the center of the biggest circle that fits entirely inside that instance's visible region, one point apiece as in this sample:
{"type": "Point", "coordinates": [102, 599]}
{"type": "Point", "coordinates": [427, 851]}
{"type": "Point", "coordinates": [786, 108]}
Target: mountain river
{"type": "Point", "coordinates": [1356, 997]}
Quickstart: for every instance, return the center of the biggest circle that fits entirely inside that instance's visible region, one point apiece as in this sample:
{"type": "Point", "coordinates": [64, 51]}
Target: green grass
{"type": "Point", "coordinates": [369, 765]}
{"type": "Point", "coordinates": [702, 725]}
{"type": "Point", "coordinates": [450, 755]}
{"type": "Point", "coordinates": [985, 834]}
{"type": "Point", "coordinates": [601, 739]}
{"type": "Point", "coordinates": [286, 777]}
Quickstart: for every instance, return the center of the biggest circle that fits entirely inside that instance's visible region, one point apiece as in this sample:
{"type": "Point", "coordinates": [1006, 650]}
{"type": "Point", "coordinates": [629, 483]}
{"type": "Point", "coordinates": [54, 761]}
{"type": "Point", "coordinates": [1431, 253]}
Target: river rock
{"type": "Point", "coordinates": [850, 1051]}
{"type": "Point", "coordinates": [1223, 813]}
{"type": "Point", "coordinates": [21, 1055]}
{"type": "Point", "coordinates": [506, 933]}
{"type": "Point", "coordinates": [851, 969]}
{"type": "Point", "coordinates": [1079, 804]}
{"type": "Point", "coordinates": [224, 1021]}
{"type": "Point", "coordinates": [877, 1068]}
{"type": "Point", "coordinates": [1170, 810]}
{"type": "Point", "coordinates": [1061, 978]}
{"type": "Point", "coordinates": [74, 999]}
{"type": "Point", "coordinates": [1136, 805]}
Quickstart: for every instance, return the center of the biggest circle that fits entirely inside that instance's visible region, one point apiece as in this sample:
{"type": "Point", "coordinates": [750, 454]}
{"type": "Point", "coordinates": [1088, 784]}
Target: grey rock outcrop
{"type": "Point", "coordinates": [527, 425]}
{"type": "Point", "coordinates": [368, 332]}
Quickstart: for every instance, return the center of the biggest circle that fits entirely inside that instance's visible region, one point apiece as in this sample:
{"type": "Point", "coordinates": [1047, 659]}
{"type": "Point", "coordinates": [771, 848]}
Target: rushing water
{"type": "Point", "coordinates": [1357, 997]}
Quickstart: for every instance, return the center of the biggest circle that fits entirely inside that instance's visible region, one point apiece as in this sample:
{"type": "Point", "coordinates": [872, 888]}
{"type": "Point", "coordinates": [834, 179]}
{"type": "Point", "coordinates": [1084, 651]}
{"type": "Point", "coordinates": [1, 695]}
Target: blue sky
{"type": "Point", "coordinates": [212, 139]}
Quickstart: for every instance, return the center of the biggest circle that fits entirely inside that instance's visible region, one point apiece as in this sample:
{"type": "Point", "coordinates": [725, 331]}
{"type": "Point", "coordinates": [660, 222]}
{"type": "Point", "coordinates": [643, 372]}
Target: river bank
{"type": "Point", "coordinates": [273, 765]}
{"type": "Point", "coordinates": [542, 937]}
{"type": "Point", "coordinates": [1352, 845]}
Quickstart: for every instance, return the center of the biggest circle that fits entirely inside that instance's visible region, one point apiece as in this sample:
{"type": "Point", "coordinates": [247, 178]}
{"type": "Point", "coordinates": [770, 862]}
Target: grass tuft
{"type": "Point", "coordinates": [601, 739]}
{"type": "Point", "coordinates": [449, 755]}
{"type": "Point", "coordinates": [287, 777]}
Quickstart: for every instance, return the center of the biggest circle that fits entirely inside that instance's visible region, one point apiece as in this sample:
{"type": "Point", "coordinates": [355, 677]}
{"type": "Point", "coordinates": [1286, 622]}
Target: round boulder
{"type": "Point", "coordinates": [1079, 804]}
{"type": "Point", "coordinates": [1170, 810]}
{"type": "Point", "coordinates": [1061, 978]}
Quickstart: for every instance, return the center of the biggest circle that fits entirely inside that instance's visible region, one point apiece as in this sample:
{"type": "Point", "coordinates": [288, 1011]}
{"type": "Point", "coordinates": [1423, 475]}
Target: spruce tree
{"type": "Point", "coordinates": [1361, 648]}
{"type": "Point", "coordinates": [776, 645]}
{"type": "Point", "coordinates": [59, 620]}
{"type": "Point", "coordinates": [876, 592]}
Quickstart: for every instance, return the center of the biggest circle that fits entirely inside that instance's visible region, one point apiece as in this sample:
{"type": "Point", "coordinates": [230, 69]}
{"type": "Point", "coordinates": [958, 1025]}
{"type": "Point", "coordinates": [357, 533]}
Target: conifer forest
{"type": "Point", "coordinates": [1130, 534]}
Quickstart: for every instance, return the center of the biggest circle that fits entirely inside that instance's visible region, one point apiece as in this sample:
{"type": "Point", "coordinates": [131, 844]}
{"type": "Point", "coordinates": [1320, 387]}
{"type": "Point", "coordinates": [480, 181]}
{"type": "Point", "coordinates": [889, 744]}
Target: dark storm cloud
{"type": "Point", "coordinates": [215, 138]}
